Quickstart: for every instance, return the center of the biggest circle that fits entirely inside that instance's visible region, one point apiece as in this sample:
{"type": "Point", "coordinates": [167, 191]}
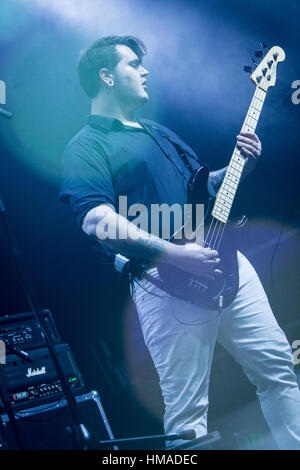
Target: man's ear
{"type": "Point", "coordinates": [106, 76]}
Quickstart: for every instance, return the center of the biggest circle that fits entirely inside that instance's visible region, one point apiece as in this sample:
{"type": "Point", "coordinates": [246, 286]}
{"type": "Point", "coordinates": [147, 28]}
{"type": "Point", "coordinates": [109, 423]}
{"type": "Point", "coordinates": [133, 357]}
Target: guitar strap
{"type": "Point", "coordinates": [152, 130]}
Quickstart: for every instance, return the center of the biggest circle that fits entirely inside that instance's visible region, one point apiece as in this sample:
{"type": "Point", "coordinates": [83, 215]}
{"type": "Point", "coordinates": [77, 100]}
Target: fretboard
{"type": "Point", "coordinates": [235, 168]}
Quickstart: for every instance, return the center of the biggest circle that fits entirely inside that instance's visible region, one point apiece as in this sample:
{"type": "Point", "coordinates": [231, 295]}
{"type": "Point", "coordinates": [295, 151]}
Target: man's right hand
{"type": "Point", "coordinates": [196, 260]}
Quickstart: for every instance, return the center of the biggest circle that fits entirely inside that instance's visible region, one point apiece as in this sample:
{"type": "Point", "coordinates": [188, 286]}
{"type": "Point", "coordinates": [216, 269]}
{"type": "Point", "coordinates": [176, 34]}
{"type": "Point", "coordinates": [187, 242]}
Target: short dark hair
{"type": "Point", "coordinates": [103, 53]}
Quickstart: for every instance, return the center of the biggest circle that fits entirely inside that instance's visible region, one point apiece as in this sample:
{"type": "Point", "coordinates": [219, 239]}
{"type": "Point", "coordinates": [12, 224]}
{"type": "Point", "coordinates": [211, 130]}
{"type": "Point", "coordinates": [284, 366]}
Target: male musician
{"type": "Point", "coordinates": [115, 154]}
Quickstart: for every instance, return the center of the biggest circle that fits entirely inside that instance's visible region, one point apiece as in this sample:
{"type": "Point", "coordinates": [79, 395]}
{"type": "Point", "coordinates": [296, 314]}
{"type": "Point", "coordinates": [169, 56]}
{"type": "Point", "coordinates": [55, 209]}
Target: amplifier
{"type": "Point", "coordinates": [44, 427]}
{"type": "Point", "coordinates": [22, 331]}
{"type": "Point", "coordinates": [32, 383]}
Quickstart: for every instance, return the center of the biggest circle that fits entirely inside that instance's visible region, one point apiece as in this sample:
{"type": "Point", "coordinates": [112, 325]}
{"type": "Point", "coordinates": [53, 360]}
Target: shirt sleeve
{"type": "Point", "coordinates": [87, 180]}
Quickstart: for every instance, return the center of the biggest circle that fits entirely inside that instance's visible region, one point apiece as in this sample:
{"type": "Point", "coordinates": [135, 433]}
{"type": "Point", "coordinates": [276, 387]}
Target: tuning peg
{"type": "Point", "coordinates": [248, 68]}
{"type": "Point", "coordinates": [263, 45]}
{"type": "Point", "coordinates": [259, 53]}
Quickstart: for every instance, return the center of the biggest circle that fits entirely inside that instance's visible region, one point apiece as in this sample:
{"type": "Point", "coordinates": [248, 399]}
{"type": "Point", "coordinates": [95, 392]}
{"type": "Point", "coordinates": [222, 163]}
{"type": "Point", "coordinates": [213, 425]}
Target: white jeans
{"type": "Point", "coordinates": [181, 339]}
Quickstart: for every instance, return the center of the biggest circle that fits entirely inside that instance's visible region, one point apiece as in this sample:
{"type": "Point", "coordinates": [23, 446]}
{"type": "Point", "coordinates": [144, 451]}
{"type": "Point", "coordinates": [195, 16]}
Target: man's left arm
{"type": "Point", "coordinates": [250, 146]}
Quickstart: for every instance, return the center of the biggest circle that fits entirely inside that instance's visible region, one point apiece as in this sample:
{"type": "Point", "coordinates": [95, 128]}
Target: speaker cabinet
{"type": "Point", "coordinates": [44, 426]}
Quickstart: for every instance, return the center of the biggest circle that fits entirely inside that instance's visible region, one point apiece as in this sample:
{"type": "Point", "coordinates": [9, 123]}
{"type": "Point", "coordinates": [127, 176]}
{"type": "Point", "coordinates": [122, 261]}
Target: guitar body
{"type": "Point", "coordinates": [217, 293]}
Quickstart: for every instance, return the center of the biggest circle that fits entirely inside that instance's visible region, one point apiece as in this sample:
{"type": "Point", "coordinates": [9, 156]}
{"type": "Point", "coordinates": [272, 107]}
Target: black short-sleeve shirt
{"type": "Point", "coordinates": [107, 159]}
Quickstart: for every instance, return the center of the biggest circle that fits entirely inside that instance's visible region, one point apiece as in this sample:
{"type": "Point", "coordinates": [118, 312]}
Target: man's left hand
{"type": "Point", "coordinates": [250, 146]}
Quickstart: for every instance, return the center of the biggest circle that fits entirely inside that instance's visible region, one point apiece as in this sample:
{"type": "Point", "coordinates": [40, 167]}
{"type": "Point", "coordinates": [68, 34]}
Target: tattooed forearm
{"type": "Point", "coordinates": [145, 247]}
{"type": "Point", "coordinates": [216, 178]}
{"type": "Point", "coordinates": [108, 226]}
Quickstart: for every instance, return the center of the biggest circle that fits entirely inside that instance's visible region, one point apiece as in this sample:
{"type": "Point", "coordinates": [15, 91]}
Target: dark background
{"type": "Point", "coordinates": [197, 87]}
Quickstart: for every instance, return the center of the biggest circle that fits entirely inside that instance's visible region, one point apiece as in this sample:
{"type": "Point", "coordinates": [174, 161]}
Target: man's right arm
{"type": "Point", "coordinates": [124, 237]}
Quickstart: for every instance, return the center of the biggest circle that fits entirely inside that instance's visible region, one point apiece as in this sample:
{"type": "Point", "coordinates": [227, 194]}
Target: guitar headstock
{"type": "Point", "coordinates": [264, 75]}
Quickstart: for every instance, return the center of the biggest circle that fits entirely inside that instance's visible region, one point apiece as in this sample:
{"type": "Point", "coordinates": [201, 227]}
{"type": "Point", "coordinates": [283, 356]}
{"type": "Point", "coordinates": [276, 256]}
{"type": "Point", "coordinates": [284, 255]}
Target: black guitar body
{"type": "Point", "coordinates": [217, 293]}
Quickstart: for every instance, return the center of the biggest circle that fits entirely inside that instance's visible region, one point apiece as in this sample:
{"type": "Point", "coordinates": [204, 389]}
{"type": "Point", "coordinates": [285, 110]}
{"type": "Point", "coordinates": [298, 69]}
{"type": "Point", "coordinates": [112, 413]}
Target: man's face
{"type": "Point", "coordinates": [130, 79]}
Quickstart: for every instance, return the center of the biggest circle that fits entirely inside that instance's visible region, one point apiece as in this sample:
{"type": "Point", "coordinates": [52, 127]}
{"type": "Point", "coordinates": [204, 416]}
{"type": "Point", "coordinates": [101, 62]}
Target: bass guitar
{"type": "Point", "coordinates": [219, 293]}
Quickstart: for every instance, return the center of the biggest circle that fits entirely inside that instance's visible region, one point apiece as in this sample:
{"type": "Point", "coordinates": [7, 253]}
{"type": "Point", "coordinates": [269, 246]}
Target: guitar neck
{"type": "Point", "coordinates": [227, 191]}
